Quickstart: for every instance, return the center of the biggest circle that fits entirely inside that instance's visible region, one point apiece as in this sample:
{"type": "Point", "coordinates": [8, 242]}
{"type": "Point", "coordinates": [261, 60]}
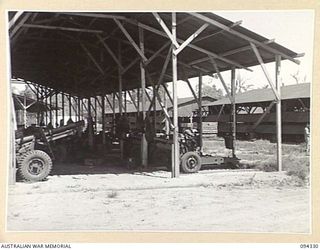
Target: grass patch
{"type": "Point", "coordinates": [268, 165]}
{"type": "Point", "coordinates": [297, 166]}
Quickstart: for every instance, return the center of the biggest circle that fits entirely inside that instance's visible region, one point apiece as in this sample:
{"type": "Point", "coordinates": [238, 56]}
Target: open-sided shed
{"type": "Point", "coordinates": [256, 113]}
{"type": "Point", "coordinates": [98, 56]}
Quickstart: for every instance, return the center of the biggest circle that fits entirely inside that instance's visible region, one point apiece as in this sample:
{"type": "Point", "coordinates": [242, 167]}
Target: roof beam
{"type": "Point", "coordinates": [19, 25]}
{"type": "Point", "coordinates": [15, 18]}
{"type": "Point", "coordinates": [96, 15]}
{"type": "Point", "coordinates": [217, 32]}
{"type": "Point", "coordinates": [228, 53]}
{"type": "Point", "coordinates": [156, 31]}
{"type": "Point", "coordinates": [163, 56]}
{"type": "Point", "coordinates": [133, 43]}
{"type": "Point", "coordinates": [49, 27]}
{"type": "Point", "coordinates": [242, 36]}
{"type": "Point", "coordinates": [190, 39]}
{"type": "Point", "coordinates": [165, 28]}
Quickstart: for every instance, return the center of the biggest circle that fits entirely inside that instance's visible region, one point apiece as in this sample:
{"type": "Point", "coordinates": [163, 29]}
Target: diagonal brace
{"type": "Point", "coordinates": [165, 28]}
{"type": "Point", "coordinates": [264, 69]}
{"type": "Point", "coordinates": [221, 78]}
{"type": "Point", "coordinates": [190, 39]}
{"type": "Point", "coordinates": [92, 58]}
{"type": "Point", "coordinates": [110, 52]}
{"type": "Point", "coordinates": [133, 43]}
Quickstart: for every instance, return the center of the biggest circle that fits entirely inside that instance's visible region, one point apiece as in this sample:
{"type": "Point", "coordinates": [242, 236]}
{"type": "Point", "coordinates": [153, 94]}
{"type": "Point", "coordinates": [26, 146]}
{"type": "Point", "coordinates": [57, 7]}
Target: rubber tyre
{"type": "Point", "coordinates": [190, 162]}
{"type": "Point", "coordinates": [35, 165]}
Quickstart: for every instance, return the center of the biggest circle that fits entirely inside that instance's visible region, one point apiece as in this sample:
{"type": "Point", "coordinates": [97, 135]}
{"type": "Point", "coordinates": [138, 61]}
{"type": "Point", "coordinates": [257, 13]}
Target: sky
{"type": "Point", "coordinates": [291, 29]}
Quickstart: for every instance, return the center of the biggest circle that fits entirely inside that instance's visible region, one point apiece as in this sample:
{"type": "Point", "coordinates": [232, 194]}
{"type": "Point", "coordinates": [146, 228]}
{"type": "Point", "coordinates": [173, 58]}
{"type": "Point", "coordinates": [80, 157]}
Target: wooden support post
{"type": "Point", "coordinates": [120, 97]}
{"type": "Point", "coordinates": [95, 114]}
{"type": "Point", "coordinates": [90, 125]}
{"type": "Point", "coordinates": [70, 108]}
{"type": "Point", "coordinates": [103, 120]}
{"type": "Point", "coordinates": [278, 108]}
{"type": "Point", "coordinates": [113, 114]}
{"type": "Point", "coordinates": [50, 112]}
{"type": "Point", "coordinates": [167, 128]}
{"type": "Point", "coordinates": [154, 106]}
{"type": "Point", "coordinates": [144, 144]}
{"type": "Point", "coordinates": [79, 109]}
{"type": "Point", "coordinates": [46, 103]}
{"type": "Point", "coordinates": [25, 108]}
{"type": "Point", "coordinates": [62, 101]}
{"type": "Point", "coordinates": [233, 110]}
{"type": "Point", "coordinates": [125, 101]}
{"type": "Point", "coordinates": [175, 158]}
{"type": "Point", "coordinates": [138, 100]}
{"type": "Point", "coordinates": [200, 111]}
{"type": "Point", "coordinates": [57, 109]}
{"type": "Point", "coordinates": [13, 127]}
{"type": "Point", "coordinates": [38, 111]}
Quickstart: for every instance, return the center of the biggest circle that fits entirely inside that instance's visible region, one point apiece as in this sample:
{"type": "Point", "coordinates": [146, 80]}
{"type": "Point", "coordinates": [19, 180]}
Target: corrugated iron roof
{"type": "Point", "coordinates": [266, 95]}
{"type": "Point", "coordinates": [57, 58]}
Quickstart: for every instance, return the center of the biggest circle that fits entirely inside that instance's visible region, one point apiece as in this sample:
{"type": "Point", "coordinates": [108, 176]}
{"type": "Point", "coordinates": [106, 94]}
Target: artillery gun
{"type": "Point", "coordinates": [191, 158]}
{"type": "Point", "coordinates": [35, 152]}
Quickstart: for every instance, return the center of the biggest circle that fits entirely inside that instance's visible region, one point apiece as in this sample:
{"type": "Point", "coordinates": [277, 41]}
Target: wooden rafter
{"type": "Point", "coordinates": [217, 32]}
{"type": "Point", "coordinates": [19, 25]}
{"type": "Point", "coordinates": [15, 18]}
{"type": "Point", "coordinates": [49, 27]}
{"type": "Point", "coordinates": [242, 36]}
{"type": "Point", "coordinates": [156, 31]}
{"type": "Point", "coordinates": [229, 53]}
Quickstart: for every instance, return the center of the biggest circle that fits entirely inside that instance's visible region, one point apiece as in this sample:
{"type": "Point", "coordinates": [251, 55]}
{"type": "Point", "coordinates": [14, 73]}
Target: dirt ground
{"type": "Point", "coordinates": [107, 197]}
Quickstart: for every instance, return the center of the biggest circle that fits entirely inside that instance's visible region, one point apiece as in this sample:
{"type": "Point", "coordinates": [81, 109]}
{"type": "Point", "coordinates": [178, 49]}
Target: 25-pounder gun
{"type": "Point", "coordinates": [34, 151]}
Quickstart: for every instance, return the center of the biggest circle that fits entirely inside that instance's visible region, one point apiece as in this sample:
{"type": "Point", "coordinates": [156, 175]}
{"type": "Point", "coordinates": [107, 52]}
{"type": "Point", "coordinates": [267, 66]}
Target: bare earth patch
{"type": "Point", "coordinates": [211, 200]}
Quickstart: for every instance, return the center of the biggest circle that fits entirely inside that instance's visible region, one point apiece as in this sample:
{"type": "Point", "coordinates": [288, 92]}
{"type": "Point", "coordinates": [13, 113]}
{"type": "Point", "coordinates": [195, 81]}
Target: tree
{"type": "Point", "coordinates": [210, 89]}
{"type": "Point", "coordinates": [242, 84]}
{"type": "Point", "coordinates": [298, 77]}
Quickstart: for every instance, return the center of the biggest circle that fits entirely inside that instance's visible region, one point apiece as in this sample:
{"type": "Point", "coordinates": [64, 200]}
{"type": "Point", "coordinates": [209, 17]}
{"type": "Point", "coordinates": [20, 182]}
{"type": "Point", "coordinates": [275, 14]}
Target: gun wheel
{"type": "Point", "coordinates": [191, 162]}
{"type": "Point", "coordinates": [35, 165]}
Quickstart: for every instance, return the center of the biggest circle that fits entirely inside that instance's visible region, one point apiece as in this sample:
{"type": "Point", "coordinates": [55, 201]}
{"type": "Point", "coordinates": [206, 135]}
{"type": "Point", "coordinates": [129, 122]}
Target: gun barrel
{"type": "Point", "coordinates": [60, 132]}
{"type": "Point", "coordinates": [67, 127]}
